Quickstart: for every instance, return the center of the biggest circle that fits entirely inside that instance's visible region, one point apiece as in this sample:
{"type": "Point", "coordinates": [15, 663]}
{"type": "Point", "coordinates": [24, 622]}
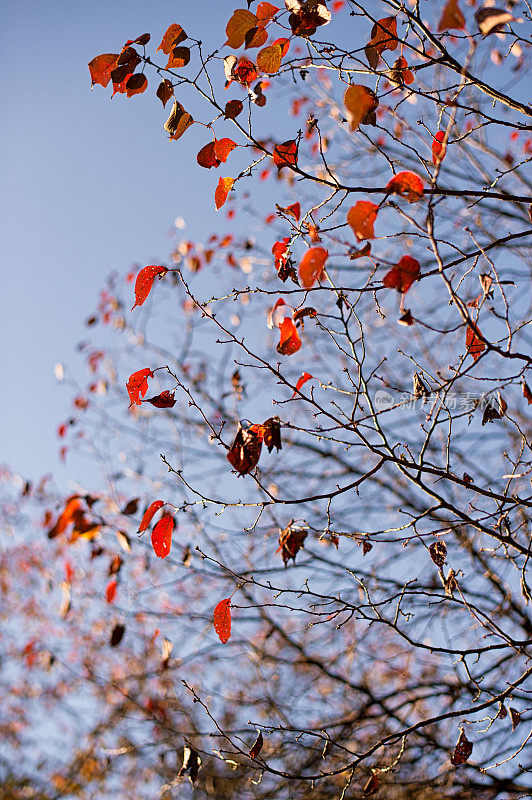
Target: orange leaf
{"type": "Point", "coordinates": [101, 67]}
{"type": "Point", "coordinates": [451, 18]}
{"type": "Point", "coordinates": [361, 217]}
{"type": "Point", "coordinates": [137, 385]}
{"type": "Point", "coordinates": [136, 84]}
{"type": "Point", "coordinates": [294, 210]}
{"type": "Point", "coordinates": [311, 266]}
{"type": "Point", "coordinates": [400, 73]}
{"type": "Point", "coordinates": [285, 154]}
{"type": "Point", "coordinates": [360, 104]}
{"type": "Point", "coordinates": [403, 275]}
{"type": "Point", "coordinates": [222, 620]}
{"type": "Point", "coordinates": [110, 591]}
{"type": "Point", "coordinates": [438, 149]}
{"type": "Point", "coordinates": [206, 157]}
{"type": "Point", "coordinates": [222, 148]}
{"type": "Point", "coordinates": [269, 59]}
{"type": "Point", "coordinates": [149, 514]}
{"type": "Point", "coordinates": [222, 190]}
{"type": "Point", "coordinates": [240, 23]}
{"type": "Point", "coordinates": [383, 37]}
{"type": "Point", "coordinates": [144, 282]}
{"type": "Point", "coordinates": [266, 11]}
{"type": "Point", "coordinates": [173, 36]}
{"type": "Point", "coordinates": [306, 376]}
{"type": "Point", "coordinates": [474, 344]}
{"type": "Point", "coordinates": [289, 342]}
{"type": "Point", "coordinates": [161, 536]}
{"type": "Point", "coordinates": [179, 57]}
{"type": "Point", "coordinates": [285, 45]}
{"type": "Point", "coordinates": [407, 184]}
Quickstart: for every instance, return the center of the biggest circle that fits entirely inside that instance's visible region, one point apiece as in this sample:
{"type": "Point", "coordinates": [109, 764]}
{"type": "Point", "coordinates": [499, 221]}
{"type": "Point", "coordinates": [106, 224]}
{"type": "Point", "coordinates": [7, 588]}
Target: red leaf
{"type": "Point", "coordinates": [306, 376]}
{"type": "Point", "coordinates": [438, 149]}
{"type": "Point", "coordinates": [136, 84]}
{"type": "Point", "coordinates": [289, 342]}
{"type": "Point", "coordinates": [474, 344]}
{"type": "Point", "coordinates": [137, 385]}
{"type": "Point", "coordinates": [294, 210]}
{"type": "Point", "coordinates": [245, 451]}
{"type": "Point", "coordinates": [110, 591]}
{"type": "Point", "coordinates": [206, 157]}
{"type": "Point", "coordinates": [383, 37]}
{"type": "Point", "coordinates": [407, 184]}
{"type": "Point", "coordinates": [222, 190]}
{"type": "Point", "coordinates": [233, 108]}
{"type": "Point", "coordinates": [311, 266]}
{"type": "Point", "coordinates": [266, 11]}
{"type": "Point", "coordinates": [149, 514]}
{"type": "Point", "coordinates": [222, 148]}
{"type": "Point", "coordinates": [101, 67]}
{"type": "Point", "coordinates": [142, 39]}
{"type": "Point", "coordinates": [144, 282]}
{"type": "Point", "coordinates": [285, 154]}
{"type": "Point", "coordinates": [161, 536]}
{"type": "Point", "coordinates": [462, 750]}
{"type": "Point", "coordinates": [173, 36]}
{"type": "Point", "coordinates": [257, 746]}
{"type": "Point", "coordinates": [403, 275]}
{"type": "Point", "coordinates": [242, 70]}
{"type": "Point", "coordinates": [361, 217]}
{"type": "Point", "coordinates": [164, 400]}
{"type": "Point", "coordinates": [527, 394]}
{"type": "Point", "coordinates": [222, 620]}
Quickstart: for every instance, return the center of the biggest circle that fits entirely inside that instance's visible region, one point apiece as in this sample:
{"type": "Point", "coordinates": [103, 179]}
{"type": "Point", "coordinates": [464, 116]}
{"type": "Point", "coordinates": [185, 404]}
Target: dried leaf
{"type": "Point", "coordinates": [191, 764]}
{"type": "Point", "coordinates": [117, 634]}
{"type": "Point", "coordinates": [136, 84]}
{"type": "Point", "coordinates": [383, 37]}
{"type": "Point", "coordinates": [307, 16]}
{"type": "Point", "coordinates": [492, 20]}
{"type": "Point", "coordinates": [420, 390]}
{"type": "Point", "coordinates": [164, 400]}
{"type": "Point", "coordinates": [312, 265]}
{"type": "Point", "coordinates": [149, 514]}
{"type": "Point", "coordinates": [462, 750]}
{"type": "Point", "coordinates": [371, 786]}
{"type": "Point", "coordinates": [257, 746]}
{"type": "Point", "coordinates": [451, 18]}
{"type": "Point", "coordinates": [178, 121]}
{"type": "Point", "coordinates": [474, 344]}
{"type": "Point", "coordinates": [178, 58]}
{"type": "Point", "coordinates": [233, 108]}
{"type": "Point", "coordinates": [406, 184]}
{"type": "Point", "coordinates": [527, 394]}
{"type": "Point", "coordinates": [144, 282]}
{"type": "Point", "coordinates": [291, 540]}
{"type": "Point", "coordinates": [131, 507]}
{"type": "Point", "coordinates": [222, 620]}
{"type": "Point", "coordinates": [271, 432]}
{"type": "Point", "coordinates": [245, 450]}
{"type": "Point", "coordinates": [361, 217]}
{"type": "Point", "coordinates": [438, 552]}
{"type": "Point", "coordinates": [165, 90]}
{"type": "Point", "coordinates": [161, 536]}
{"type": "Point", "coordinates": [515, 716]}
{"type": "Point", "coordinates": [360, 105]}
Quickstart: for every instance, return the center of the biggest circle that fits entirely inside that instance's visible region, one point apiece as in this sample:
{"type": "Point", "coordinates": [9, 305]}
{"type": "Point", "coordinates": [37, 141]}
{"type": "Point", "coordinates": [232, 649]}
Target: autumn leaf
{"type": "Point", "coordinates": [245, 450]}
{"type": "Point", "coordinates": [137, 385]}
{"type": "Point", "coordinates": [312, 265]}
{"type": "Point", "coordinates": [206, 157]}
{"type": "Point", "coordinates": [406, 184]}
{"type": "Point", "coordinates": [462, 750]}
{"type": "Point", "coordinates": [438, 149]}
{"type": "Point", "coordinates": [222, 148]}
{"type": "Point", "coordinates": [451, 18]}
{"type": "Point", "coordinates": [178, 121]}
{"type": "Point", "coordinates": [222, 620]}
{"type": "Point", "coordinates": [492, 20]}
{"type": "Point", "coordinates": [136, 84]}
{"type": "Point", "coordinates": [222, 190]}
{"type": "Point", "coordinates": [400, 74]}
{"type": "Point", "coordinates": [403, 275]}
{"type": "Point", "coordinates": [271, 433]}
{"type": "Point", "coordinates": [161, 536]}
{"type": "Point", "coordinates": [307, 16]}
{"type": "Point", "coordinates": [173, 36]}
{"type": "Point", "coordinates": [256, 746]}
{"type": "Point", "coordinates": [383, 37]}
{"type": "Point", "coordinates": [360, 105]}
{"type": "Point", "coordinates": [100, 68]}
{"type": "Point", "coordinates": [361, 217]}
{"type": "Point", "coordinates": [73, 507]}
{"type": "Point", "coordinates": [291, 540]}
{"type": "Point", "coordinates": [143, 39]}
{"type": "Point", "coordinates": [110, 591]}
{"type": "Point", "coordinates": [233, 108]}
{"type": "Point", "coordinates": [306, 376]}
{"type": "Point", "coordinates": [117, 634]}
{"type": "Point", "coordinates": [266, 12]}
{"type": "Point", "coordinates": [144, 282]}
{"type": "Point", "coordinates": [165, 90]}
{"type": "Point", "coordinates": [285, 154]}
{"type": "Point", "coordinates": [269, 59]}
{"type": "Point", "coordinates": [294, 211]}
{"type": "Point", "coordinates": [371, 786]}
{"type": "Point", "coordinates": [149, 514]}
{"type": "Point", "coordinates": [289, 342]}
{"type": "Point", "coordinates": [241, 70]}
{"type": "Point", "coordinates": [438, 553]}
{"type": "Point", "coordinates": [240, 23]}
{"type": "Point", "coordinates": [164, 400]}
{"type": "Point", "coordinates": [527, 394]}
{"type": "Point", "coordinates": [474, 344]}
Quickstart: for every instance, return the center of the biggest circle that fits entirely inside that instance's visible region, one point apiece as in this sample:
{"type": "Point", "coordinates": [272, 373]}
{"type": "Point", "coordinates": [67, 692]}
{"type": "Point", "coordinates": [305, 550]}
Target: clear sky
{"type": "Point", "coordinates": [89, 185]}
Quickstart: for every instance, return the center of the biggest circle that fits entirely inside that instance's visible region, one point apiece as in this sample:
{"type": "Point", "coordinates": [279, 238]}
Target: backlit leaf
{"type": "Point", "coordinates": [173, 36]}
{"type": "Point", "coordinates": [269, 59]}
{"type": "Point", "coordinates": [438, 149]}
{"type": "Point", "coordinates": [271, 432]}
{"type": "Point", "coordinates": [149, 514]}
{"type": "Point", "coordinates": [101, 67]}
{"type": "Point", "coordinates": [266, 12]}
{"type": "Point", "coordinates": [164, 400]}
{"type": "Point", "coordinates": [161, 536]}
{"type": "Point", "coordinates": [360, 105]}
{"type": "Point", "coordinates": [474, 344]}
{"type": "Point", "coordinates": [361, 217]}
{"type": "Point", "coordinates": [144, 282]}
{"type": "Point", "coordinates": [137, 385]}
{"type": "Point", "coordinates": [206, 157]}
{"type": "Point", "coordinates": [222, 620]}
{"type": "Point", "coordinates": [291, 540]}
{"type": "Point", "coordinates": [285, 154]}
{"type": "Point", "coordinates": [289, 342]}
{"type": "Point", "coordinates": [110, 591]}
{"type": "Point", "coordinates": [137, 84]}
{"type": "Point", "coordinates": [245, 450]}
{"type": "Point", "coordinates": [311, 266]}
{"type": "Point", "coordinates": [222, 190]}
{"type": "Point", "coordinates": [383, 37]}
{"type": "Point", "coordinates": [406, 184]}
{"type": "Point", "coordinates": [451, 18]}
{"type": "Point", "coordinates": [178, 57]}
{"type": "Point", "coordinates": [306, 376]}
{"type": "Point", "coordinates": [403, 275]}
{"type": "Point", "coordinates": [240, 23]}
{"type": "Point", "coordinates": [233, 108]}
{"type": "Point", "coordinates": [222, 148]}
{"type": "Point", "coordinates": [165, 91]}
{"type": "Point", "coordinates": [492, 20]}
{"type": "Point", "coordinates": [256, 746]}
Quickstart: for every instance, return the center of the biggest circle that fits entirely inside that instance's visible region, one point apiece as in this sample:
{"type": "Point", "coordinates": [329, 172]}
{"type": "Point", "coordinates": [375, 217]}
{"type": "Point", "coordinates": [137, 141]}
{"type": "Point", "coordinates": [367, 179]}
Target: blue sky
{"type": "Point", "coordinates": [89, 185]}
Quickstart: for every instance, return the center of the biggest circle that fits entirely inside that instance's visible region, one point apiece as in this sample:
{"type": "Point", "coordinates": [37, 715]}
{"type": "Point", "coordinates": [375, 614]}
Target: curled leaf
{"type": "Point", "coordinates": [178, 121]}
{"type": "Point", "coordinates": [164, 400]}
{"type": "Point", "coordinates": [257, 746]}
{"type": "Point", "coordinates": [403, 275]}
{"type": "Point", "coordinates": [149, 514]}
{"type": "Point", "coordinates": [291, 540]}
{"type": "Point", "coordinates": [289, 342]}
{"type": "Point", "coordinates": [306, 376]}
{"type": "Point", "coordinates": [438, 148]}
{"type": "Point", "coordinates": [245, 450]}
{"type": "Point", "coordinates": [271, 432]}
{"type": "Point", "coordinates": [492, 20]}
{"type": "Point", "coordinates": [474, 344]}
{"type": "Point", "coordinates": [383, 37]}
{"type": "Point", "coordinates": [462, 750]}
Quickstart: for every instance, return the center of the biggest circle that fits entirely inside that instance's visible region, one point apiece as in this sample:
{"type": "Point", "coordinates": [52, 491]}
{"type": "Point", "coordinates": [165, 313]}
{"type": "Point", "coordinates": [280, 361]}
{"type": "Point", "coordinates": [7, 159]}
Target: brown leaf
{"type": "Point", "coordinates": [527, 394]}
{"type": "Point", "coordinates": [515, 716]}
{"type": "Point", "coordinates": [240, 23]}
{"type": "Point", "coordinates": [233, 108]}
{"type": "Point", "coordinates": [462, 750]}
{"type": "Point", "coordinates": [371, 786]}
{"type": "Point", "coordinates": [438, 552]}
{"type": "Point", "coordinates": [164, 400]}
{"type": "Point", "coordinates": [178, 121]}
{"type": "Point", "coordinates": [474, 344]}
{"type": "Point", "coordinates": [285, 154]}
{"type": "Point", "coordinates": [451, 18]}
{"type": "Point", "coordinates": [191, 764]}
{"type": "Point", "coordinates": [271, 431]}
{"type": "Point", "coordinates": [420, 390]}
{"type": "Point", "coordinates": [383, 37]}
{"type": "Point", "coordinates": [173, 36]}
{"type": "Point", "coordinates": [137, 84]}
{"type": "Point", "coordinates": [291, 540]}
{"type": "Point", "coordinates": [492, 20]}
{"type": "Point", "coordinates": [257, 746]}
{"type": "Point", "coordinates": [245, 451]}
{"type": "Point", "coordinates": [165, 90]}
{"type": "Point", "coordinates": [131, 507]}
{"type": "Point", "coordinates": [179, 57]}
{"type": "Point", "coordinates": [117, 634]}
